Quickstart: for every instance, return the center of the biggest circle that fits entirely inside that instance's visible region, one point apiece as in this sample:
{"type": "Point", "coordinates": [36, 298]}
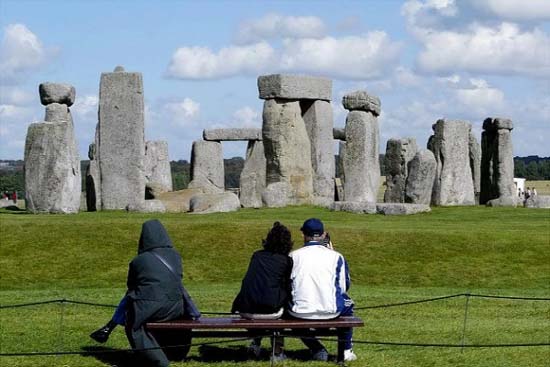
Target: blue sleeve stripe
{"type": "Point", "coordinates": [348, 278]}
{"type": "Point", "coordinates": [338, 295]}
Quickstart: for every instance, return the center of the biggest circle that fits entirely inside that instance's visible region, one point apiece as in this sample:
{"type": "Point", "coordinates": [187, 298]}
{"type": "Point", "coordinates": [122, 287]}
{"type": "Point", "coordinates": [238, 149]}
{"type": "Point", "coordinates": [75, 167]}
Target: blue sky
{"type": "Point", "coordinates": [425, 59]}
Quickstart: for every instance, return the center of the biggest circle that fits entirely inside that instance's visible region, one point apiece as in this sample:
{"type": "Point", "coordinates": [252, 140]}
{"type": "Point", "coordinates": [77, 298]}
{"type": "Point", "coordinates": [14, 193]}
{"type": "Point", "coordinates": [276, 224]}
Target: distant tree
{"type": "Point", "coordinates": [180, 174]}
{"type": "Point", "coordinates": [12, 181]}
{"type": "Point", "coordinates": [233, 168]}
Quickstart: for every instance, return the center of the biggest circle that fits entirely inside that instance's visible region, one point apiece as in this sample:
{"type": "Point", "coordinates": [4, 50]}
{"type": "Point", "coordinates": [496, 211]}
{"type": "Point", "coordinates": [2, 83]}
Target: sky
{"type": "Point", "coordinates": [425, 59]}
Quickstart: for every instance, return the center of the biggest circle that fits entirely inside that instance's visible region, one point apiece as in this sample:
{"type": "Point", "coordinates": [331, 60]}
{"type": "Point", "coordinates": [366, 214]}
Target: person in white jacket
{"type": "Point", "coordinates": [319, 280]}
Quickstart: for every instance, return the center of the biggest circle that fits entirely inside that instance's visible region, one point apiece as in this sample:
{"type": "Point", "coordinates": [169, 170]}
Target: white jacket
{"type": "Point", "coordinates": [319, 279]}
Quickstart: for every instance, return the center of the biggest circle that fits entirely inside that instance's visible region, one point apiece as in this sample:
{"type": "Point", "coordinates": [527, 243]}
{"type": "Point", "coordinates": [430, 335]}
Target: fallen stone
{"type": "Point", "coordinates": [232, 134]}
{"type": "Point", "coordinates": [503, 201]}
{"type": "Point", "coordinates": [276, 195]}
{"type": "Point", "coordinates": [207, 171]}
{"type": "Point", "coordinates": [252, 181]}
{"type": "Point", "coordinates": [178, 201]}
{"type": "Point", "coordinates": [158, 176]}
{"type": "Point", "coordinates": [56, 93]}
{"type": "Point", "coordinates": [538, 202]}
{"type": "Point", "coordinates": [418, 189]}
{"type": "Point", "coordinates": [339, 133]}
{"type": "Point", "coordinates": [147, 206]}
{"type": "Point", "coordinates": [361, 207]}
{"type": "Point", "coordinates": [214, 203]}
{"type": "Point", "coordinates": [362, 101]}
{"type": "Point", "coordinates": [294, 87]}
{"type": "Point", "coordinates": [401, 208]}
{"type": "Point", "coordinates": [399, 152]}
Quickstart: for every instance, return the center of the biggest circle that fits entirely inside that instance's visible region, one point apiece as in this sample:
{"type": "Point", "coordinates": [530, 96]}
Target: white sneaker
{"type": "Point", "coordinates": [321, 355]}
{"type": "Point", "coordinates": [349, 355]}
{"type": "Point", "coordinates": [254, 350]}
{"type": "Point", "coordinates": [277, 358]}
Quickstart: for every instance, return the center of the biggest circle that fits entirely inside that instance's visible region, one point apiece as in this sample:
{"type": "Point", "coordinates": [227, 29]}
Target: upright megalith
{"type": "Point", "coordinates": [361, 164]}
{"type": "Point", "coordinates": [475, 164]}
{"type": "Point", "coordinates": [207, 172]}
{"type": "Point", "coordinates": [420, 180]}
{"type": "Point", "coordinates": [399, 152]}
{"type": "Point", "coordinates": [93, 180]}
{"type": "Point", "coordinates": [453, 183]}
{"type": "Point", "coordinates": [120, 142]}
{"type": "Point", "coordinates": [158, 177]}
{"type": "Point", "coordinates": [52, 164]}
{"type": "Point", "coordinates": [497, 160]}
{"type": "Point", "coordinates": [252, 180]}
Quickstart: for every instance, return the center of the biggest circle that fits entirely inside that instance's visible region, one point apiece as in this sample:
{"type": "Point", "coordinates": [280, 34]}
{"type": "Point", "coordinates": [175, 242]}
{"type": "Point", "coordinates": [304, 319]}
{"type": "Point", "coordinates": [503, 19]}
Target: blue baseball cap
{"type": "Point", "coordinates": [313, 227]}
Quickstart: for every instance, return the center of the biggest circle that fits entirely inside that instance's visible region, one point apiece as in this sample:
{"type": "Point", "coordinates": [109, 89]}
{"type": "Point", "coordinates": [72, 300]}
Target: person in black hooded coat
{"type": "Point", "coordinates": [155, 293]}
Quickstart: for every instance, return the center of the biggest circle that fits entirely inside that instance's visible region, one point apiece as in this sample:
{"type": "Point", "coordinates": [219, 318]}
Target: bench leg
{"type": "Point", "coordinates": [341, 347]}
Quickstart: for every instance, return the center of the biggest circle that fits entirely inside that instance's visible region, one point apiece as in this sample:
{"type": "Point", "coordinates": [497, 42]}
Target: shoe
{"type": "Point", "coordinates": [349, 355]}
{"type": "Point", "coordinates": [277, 358]}
{"type": "Point", "coordinates": [321, 355]}
{"type": "Point", "coordinates": [101, 335]}
{"type": "Point", "coordinates": [254, 350]}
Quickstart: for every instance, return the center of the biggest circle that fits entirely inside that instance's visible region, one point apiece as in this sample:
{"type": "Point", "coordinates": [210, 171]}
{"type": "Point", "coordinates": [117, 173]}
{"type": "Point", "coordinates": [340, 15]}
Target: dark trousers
{"type": "Point", "coordinates": [315, 345]}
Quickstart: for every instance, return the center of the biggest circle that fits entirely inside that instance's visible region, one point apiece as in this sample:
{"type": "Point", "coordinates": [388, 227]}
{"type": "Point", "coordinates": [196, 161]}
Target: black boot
{"type": "Point", "coordinates": [102, 335]}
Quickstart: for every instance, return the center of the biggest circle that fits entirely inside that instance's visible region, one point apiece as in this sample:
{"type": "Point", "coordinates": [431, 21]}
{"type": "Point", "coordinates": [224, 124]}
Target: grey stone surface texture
{"type": "Point", "coordinates": [399, 152]}
{"type": "Point", "coordinates": [157, 166]}
{"type": "Point", "coordinates": [512, 201]}
{"type": "Point", "coordinates": [207, 171]}
{"type": "Point", "coordinates": [475, 164]}
{"type": "Point", "coordinates": [340, 161]}
{"type": "Point", "coordinates": [252, 180]}
{"type": "Point", "coordinates": [453, 183]}
{"type": "Point", "coordinates": [214, 203]}
{"type": "Point", "coordinates": [497, 160]}
{"type": "Point", "coordinates": [56, 112]}
{"type": "Point", "coordinates": [52, 165]}
{"type": "Point", "coordinates": [538, 202]}
{"type": "Point", "coordinates": [147, 206]}
{"type": "Point", "coordinates": [318, 120]}
{"type": "Point", "coordinates": [420, 181]}
{"type": "Point", "coordinates": [177, 201]}
{"type": "Point", "coordinates": [233, 134]}
{"type": "Point", "coordinates": [358, 207]}
{"type": "Point", "coordinates": [360, 161]}
{"type": "Point", "coordinates": [120, 142]}
{"type": "Point", "coordinates": [56, 93]}
{"type": "Point", "coordinates": [287, 150]}
{"type": "Point", "coordinates": [401, 208]}
{"type": "Point", "coordinates": [93, 180]}
{"type": "Point", "coordinates": [294, 87]}
{"type": "Point", "coordinates": [362, 101]}
{"type": "Point", "coordinates": [277, 195]}
{"type": "Point", "coordinates": [339, 133]}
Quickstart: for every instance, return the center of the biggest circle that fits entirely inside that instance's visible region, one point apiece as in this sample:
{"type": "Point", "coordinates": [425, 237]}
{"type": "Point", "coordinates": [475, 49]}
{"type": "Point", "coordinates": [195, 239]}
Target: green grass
{"type": "Point", "coordinates": [84, 257]}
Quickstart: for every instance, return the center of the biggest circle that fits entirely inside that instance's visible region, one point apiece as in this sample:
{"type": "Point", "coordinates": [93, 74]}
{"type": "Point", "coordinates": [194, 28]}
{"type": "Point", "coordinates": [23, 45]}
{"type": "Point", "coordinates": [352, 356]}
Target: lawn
{"type": "Point", "coordinates": [500, 251]}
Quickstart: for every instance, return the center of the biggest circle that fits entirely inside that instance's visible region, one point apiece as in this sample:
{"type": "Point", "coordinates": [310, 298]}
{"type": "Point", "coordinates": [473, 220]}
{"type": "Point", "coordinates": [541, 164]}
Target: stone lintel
{"type": "Point", "coordinates": [294, 87]}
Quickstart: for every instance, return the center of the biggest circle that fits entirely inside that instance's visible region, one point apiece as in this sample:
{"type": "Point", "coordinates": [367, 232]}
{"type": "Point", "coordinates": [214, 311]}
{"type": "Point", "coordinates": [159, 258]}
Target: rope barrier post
{"type": "Point", "coordinates": [61, 317]}
{"type": "Point", "coordinates": [465, 321]}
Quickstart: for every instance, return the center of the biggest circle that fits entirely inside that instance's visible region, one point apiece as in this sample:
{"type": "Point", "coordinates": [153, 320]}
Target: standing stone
{"type": "Point", "coordinates": [361, 163]}
{"type": "Point", "coordinates": [497, 160]}
{"type": "Point", "coordinates": [93, 183]}
{"type": "Point", "coordinates": [421, 176]}
{"type": "Point", "coordinates": [319, 125]}
{"type": "Point", "coordinates": [399, 152]}
{"type": "Point", "coordinates": [207, 172]}
{"type": "Point", "coordinates": [252, 181]}
{"type": "Point", "coordinates": [120, 143]}
{"type": "Point", "coordinates": [158, 176]}
{"type": "Point", "coordinates": [287, 151]}
{"type": "Point", "coordinates": [52, 164]}
{"type": "Point", "coordinates": [340, 161]}
{"type": "Point", "coordinates": [339, 133]}
{"type": "Point", "coordinates": [475, 164]}
{"type": "Point", "coordinates": [453, 183]}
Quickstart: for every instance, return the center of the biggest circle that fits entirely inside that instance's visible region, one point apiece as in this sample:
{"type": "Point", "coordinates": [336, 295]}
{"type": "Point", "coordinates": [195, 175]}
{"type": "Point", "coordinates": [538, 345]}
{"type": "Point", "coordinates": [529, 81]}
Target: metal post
{"type": "Point", "coordinates": [465, 321]}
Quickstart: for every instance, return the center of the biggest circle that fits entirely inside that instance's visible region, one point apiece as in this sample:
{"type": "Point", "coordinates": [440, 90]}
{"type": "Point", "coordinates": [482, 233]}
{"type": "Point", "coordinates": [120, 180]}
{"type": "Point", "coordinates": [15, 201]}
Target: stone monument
{"type": "Point", "coordinates": [399, 152]}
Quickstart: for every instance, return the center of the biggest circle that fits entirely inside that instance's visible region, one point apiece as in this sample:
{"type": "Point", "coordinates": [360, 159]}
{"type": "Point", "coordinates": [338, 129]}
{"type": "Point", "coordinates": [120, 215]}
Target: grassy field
{"type": "Point", "coordinates": [84, 257]}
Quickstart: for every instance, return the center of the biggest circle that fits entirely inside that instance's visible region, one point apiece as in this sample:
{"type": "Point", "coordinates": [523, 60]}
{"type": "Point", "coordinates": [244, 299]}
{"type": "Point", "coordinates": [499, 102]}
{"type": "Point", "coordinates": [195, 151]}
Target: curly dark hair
{"type": "Point", "coordinates": [279, 239]}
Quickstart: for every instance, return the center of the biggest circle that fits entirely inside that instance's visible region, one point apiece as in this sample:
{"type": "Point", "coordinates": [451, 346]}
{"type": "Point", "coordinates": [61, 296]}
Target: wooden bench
{"type": "Point", "coordinates": [236, 327]}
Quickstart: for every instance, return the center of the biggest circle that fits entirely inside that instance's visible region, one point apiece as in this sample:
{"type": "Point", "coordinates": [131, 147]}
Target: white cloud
{"type": "Point", "coordinates": [273, 26]}
{"type": "Point", "coordinates": [85, 107]}
{"type": "Point", "coordinates": [247, 117]}
{"type": "Point", "coordinates": [480, 98]}
{"type": "Point", "coordinates": [519, 10]}
{"type": "Point", "coordinates": [181, 112]}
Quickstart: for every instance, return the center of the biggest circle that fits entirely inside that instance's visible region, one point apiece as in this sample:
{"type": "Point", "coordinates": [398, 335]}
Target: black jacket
{"type": "Point", "coordinates": [266, 285]}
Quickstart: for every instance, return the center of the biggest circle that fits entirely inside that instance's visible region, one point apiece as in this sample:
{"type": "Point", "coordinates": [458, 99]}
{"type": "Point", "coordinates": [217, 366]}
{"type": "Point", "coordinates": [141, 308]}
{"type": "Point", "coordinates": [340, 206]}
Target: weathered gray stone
{"type": "Point", "coordinates": [340, 161]}
{"type": "Point", "coordinates": [56, 112]}
{"type": "Point", "coordinates": [294, 87]}
{"type": "Point", "coordinates": [453, 183]}
{"type": "Point", "coordinates": [361, 163]}
{"type": "Point", "coordinates": [93, 180]}
{"type": "Point", "coordinates": [475, 164]}
{"type": "Point", "coordinates": [178, 201]}
{"type": "Point", "coordinates": [504, 201]}
{"type": "Point", "coordinates": [399, 152]}
{"type": "Point", "coordinates": [277, 195]}
{"type": "Point", "coordinates": [232, 134]}
{"type": "Point", "coordinates": [318, 120]}
{"type": "Point", "coordinates": [362, 101]}
{"type": "Point", "coordinates": [56, 93]}
{"type": "Point", "coordinates": [52, 167]}
{"type": "Point", "coordinates": [421, 176]}
{"type": "Point", "coordinates": [147, 206]}
{"type": "Point", "coordinates": [158, 175]}
{"type": "Point", "coordinates": [339, 133]}
{"type": "Point", "coordinates": [120, 142]}
{"type": "Point", "coordinates": [401, 208]}
{"type": "Point", "coordinates": [497, 160]}
{"type": "Point", "coordinates": [207, 171]}
{"type": "Point", "coordinates": [538, 201]}
{"type": "Point", "coordinates": [287, 150]}
{"type": "Point", "coordinates": [252, 181]}
{"type": "Point", "coordinates": [358, 207]}
{"type": "Point", "coordinates": [214, 203]}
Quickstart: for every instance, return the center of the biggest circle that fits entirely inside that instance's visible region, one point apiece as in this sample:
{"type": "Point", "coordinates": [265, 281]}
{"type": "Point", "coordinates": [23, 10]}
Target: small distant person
{"type": "Point", "coordinates": [265, 289]}
{"type": "Point", "coordinates": [155, 293]}
{"type": "Point", "coordinates": [320, 280]}
{"type": "Point", "coordinates": [527, 193]}
{"type": "Point", "coordinates": [519, 192]}
{"type": "Point", "coordinates": [14, 197]}
{"type": "Point", "coordinates": [534, 192]}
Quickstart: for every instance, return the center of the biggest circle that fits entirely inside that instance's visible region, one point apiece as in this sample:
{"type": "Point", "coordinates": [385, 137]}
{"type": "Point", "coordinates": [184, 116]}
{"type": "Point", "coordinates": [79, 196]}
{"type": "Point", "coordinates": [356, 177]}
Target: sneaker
{"type": "Point", "coordinates": [321, 355]}
{"type": "Point", "coordinates": [349, 355]}
{"type": "Point", "coordinates": [101, 335]}
{"type": "Point", "coordinates": [277, 358]}
{"type": "Point", "coordinates": [254, 350]}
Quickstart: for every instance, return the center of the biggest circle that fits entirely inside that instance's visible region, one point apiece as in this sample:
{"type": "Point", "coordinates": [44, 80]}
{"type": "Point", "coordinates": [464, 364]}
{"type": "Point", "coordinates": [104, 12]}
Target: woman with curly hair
{"type": "Point", "coordinates": [265, 289]}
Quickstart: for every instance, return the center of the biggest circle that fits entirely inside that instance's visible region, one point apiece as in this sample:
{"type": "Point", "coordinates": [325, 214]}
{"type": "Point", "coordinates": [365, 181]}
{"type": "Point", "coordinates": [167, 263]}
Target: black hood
{"type": "Point", "coordinates": [153, 235]}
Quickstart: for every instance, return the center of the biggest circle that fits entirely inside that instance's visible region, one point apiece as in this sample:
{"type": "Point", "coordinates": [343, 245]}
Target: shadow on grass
{"type": "Point", "coordinates": [12, 209]}
{"type": "Point", "coordinates": [211, 353]}
{"type": "Point", "coordinates": [111, 356]}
